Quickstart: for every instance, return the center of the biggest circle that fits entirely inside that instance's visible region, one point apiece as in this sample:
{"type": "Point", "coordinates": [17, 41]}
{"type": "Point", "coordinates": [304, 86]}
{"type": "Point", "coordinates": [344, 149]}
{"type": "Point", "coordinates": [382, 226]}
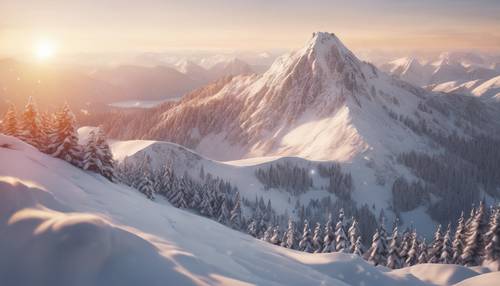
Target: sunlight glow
{"type": "Point", "coordinates": [45, 50]}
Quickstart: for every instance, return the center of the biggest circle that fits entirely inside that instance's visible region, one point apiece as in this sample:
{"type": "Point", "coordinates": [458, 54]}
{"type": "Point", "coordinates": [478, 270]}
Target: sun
{"type": "Point", "coordinates": [45, 50]}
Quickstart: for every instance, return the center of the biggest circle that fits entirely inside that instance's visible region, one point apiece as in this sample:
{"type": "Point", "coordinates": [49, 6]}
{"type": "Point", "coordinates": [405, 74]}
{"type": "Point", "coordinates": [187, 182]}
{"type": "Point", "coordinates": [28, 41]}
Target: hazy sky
{"type": "Point", "coordinates": [86, 26]}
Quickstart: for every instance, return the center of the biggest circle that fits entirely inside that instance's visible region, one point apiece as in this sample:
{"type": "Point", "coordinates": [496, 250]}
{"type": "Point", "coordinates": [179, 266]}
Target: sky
{"type": "Point", "coordinates": [116, 26]}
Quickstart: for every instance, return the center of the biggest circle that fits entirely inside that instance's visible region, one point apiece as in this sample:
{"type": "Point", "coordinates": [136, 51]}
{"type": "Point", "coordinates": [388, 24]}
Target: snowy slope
{"type": "Point", "coordinates": [62, 226]}
{"type": "Point", "coordinates": [489, 89]}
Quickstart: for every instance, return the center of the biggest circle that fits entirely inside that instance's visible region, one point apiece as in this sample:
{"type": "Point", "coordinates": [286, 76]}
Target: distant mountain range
{"type": "Point", "coordinates": [52, 85]}
{"type": "Point", "coordinates": [451, 72]}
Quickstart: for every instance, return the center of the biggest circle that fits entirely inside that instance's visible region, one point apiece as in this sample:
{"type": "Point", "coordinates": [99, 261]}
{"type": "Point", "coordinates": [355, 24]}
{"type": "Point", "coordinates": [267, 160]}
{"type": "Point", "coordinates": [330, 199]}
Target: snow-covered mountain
{"type": "Point", "coordinates": [489, 89]}
{"type": "Point", "coordinates": [450, 68]}
{"type": "Point", "coordinates": [232, 67]}
{"type": "Point", "coordinates": [60, 225]}
{"type": "Point", "coordinates": [193, 70]}
{"type": "Point", "coordinates": [220, 69]}
{"type": "Point", "coordinates": [322, 103]}
{"type": "Point", "coordinates": [409, 69]}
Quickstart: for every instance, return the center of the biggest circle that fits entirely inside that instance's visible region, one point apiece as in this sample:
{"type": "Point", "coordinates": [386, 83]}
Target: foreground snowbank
{"type": "Point", "coordinates": [62, 226]}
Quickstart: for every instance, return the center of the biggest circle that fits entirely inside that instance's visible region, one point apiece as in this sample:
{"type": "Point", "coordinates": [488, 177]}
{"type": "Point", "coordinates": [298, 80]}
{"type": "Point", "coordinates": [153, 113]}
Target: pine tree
{"type": "Point", "coordinates": [437, 246]}
{"type": "Point", "coordinates": [275, 238]}
{"type": "Point", "coordinates": [492, 249]}
{"type": "Point", "coordinates": [446, 249]}
{"type": "Point", "coordinates": [178, 194]}
{"type": "Point", "coordinates": [268, 234]}
{"type": "Point", "coordinates": [329, 240]}
{"type": "Point", "coordinates": [405, 245]}
{"type": "Point", "coordinates": [376, 253]}
{"type": "Point", "coordinates": [305, 243]}
{"type": "Point", "coordinates": [146, 186]}
{"type": "Point", "coordinates": [341, 242]}
{"type": "Point", "coordinates": [164, 178]}
{"type": "Point", "coordinates": [393, 259]}
{"type": "Point", "coordinates": [9, 123]}
{"type": "Point", "coordinates": [422, 257]}
{"type": "Point", "coordinates": [225, 214]}
{"type": "Point", "coordinates": [472, 253]}
{"type": "Point", "coordinates": [459, 240]}
{"type": "Point", "coordinates": [30, 131]}
{"type": "Point", "coordinates": [65, 138]}
{"type": "Point", "coordinates": [317, 238]}
{"type": "Point", "coordinates": [105, 155]}
{"type": "Point", "coordinates": [91, 160]}
{"type": "Point", "coordinates": [195, 202]}
{"type": "Point", "coordinates": [236, 212]}
{"type": "Point", "coordinates": [353, 234]}
{"type": "Point", "coordinates": [358, 247]}
{"type": "Point", "coordinates": [413, 254]}
{"type": "Point", "coordinates": [47, 128]}
{"type": "Point", "coordinates": [206, 205]}
{"type": "Point", "coordinates": [252, 228]}
{"type": "Point", "coordinates": [290, 235]}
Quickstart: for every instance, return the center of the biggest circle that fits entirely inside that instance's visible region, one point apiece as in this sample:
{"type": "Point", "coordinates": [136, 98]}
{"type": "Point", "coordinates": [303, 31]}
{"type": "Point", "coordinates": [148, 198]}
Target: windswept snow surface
{"type": "Point", "coordinates": [60, 225]}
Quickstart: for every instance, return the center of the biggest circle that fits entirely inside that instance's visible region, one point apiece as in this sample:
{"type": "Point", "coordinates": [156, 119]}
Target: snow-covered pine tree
{"type": "Point", "coordinates": [492, 249]}
{"type": "Point", "coordinates": [329, 240]}
{"type": "Point", "coordinates": [90, 157]}
{"type": "Point", "coordinates": [195, 201]}
{"type": "Point", "coordinates": [394, 260]}
{"type": "Point", "coordinates": [283, 239]}
{"type": "Point", "coordinates": [252, 228]}
{"type": "Point", "coordinates": [268, 234]}
{"type": "Point", "coordinates": [236, 212]}
{"type": "Point", "coordinates": [164, 181]}
{"type": "Point", "coordinates": [341, 241]}
{"type": "Point", "coordinates": [290, 235]}
{"type": "Point", "coordinates": [225, 213]}
{"type": "Point", "coordinates": [405, 245]}
{"type": "Point", "coordinates": [305, 243]}
{"type": "Point", "coordinates": [47, 127]}
{"type": "Point", "coordinates": [105, 155]}
{"type": "Point", "coordinates": [376, 254]}
{"type": "Point", "coordinates": [384, 241]}
{"type": "Point", "coordinates": [422, 249]}
{"type": "Point", "coordinates": [437, 246]}
{"type": "Point", "coordinates": [30, 127]}
{"type": "Point", "coordinates": [275, 238]}
{"type": "Point", "coordinates": [413, 254]}
{"type": "Point", "coordinates": [353, 234]}
{"type": "Point", "coordinates": [459, 240]}
{"type": "Point", "coordinates": [446, 250]}
{"type": "Point", "coordinates": [473, 251]}
{"type": "Point", "coordinates": [206, 206]}
{"type": "Point", "coordinates": [9, 123]}
{"type": "Point", "coordinates": [146, 186]}
{"type": "Point", "coordinates": [178, 195]}
{"type": "Point", "coordinates": [358, 247]}
{"type": "Point", "coordinates": [65, 139]}
{"type": "Point", "coordinates": [317, 239]}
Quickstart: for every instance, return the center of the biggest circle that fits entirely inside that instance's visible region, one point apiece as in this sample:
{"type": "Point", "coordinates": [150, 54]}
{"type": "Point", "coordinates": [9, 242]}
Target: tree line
{"type": "Point", "coordinates": [55, 134]}
{"type": "Point", "coordinates": [472, 242]}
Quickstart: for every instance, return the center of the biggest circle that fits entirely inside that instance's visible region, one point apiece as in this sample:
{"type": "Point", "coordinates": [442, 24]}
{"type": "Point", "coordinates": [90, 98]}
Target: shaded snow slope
{"type": "Point", "coordinates": [63, 226]}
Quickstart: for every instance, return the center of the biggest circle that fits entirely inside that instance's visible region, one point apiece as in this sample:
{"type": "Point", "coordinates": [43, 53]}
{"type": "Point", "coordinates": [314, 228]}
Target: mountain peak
{"type": "Point", "coordinates": [325, 41]}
